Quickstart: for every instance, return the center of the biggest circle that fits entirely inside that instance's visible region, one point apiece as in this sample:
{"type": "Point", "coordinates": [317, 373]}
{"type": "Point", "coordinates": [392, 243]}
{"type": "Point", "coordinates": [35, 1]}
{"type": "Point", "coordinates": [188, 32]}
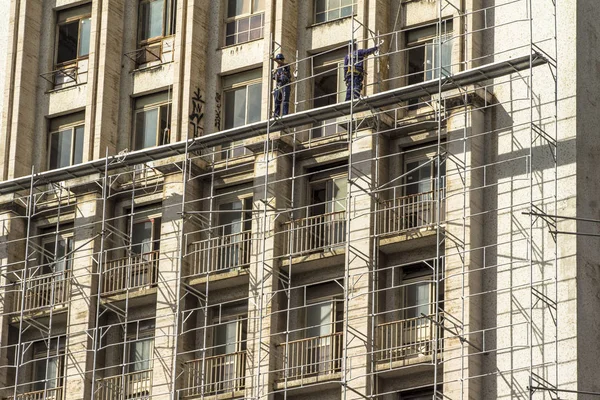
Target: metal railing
{"type": "Point", "coordinates": [405, 338]}
{"type": "Point", "coordinates": [43, 291]}
{"type": "Point", "coordinates": [220, 253]}
{"type": "Point", "coordinates": [316, 232]}
{"type": "Point", "coordinates": [135, 271]}
{"type": "Point", "coordinates": [320, 355]}
{"type": "Point", "coordinates": [224, 374]}
{"type": "Point", "coordinates": [48, 394]}
{"type": "Point", "coordinates": [407, 212]}
{"type": "Point", "coordinates": [121, 387]}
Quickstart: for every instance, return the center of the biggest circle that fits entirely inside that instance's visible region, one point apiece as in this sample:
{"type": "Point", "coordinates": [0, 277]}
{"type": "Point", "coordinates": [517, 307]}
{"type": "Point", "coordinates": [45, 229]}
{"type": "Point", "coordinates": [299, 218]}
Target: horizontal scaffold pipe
{"type": "Point", "coordinates": [402, 94]}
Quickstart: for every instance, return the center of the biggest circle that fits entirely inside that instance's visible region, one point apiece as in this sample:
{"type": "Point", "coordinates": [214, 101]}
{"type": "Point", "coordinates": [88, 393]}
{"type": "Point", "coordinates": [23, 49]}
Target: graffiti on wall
{"type": "Point", "coordinates": [197, 113]}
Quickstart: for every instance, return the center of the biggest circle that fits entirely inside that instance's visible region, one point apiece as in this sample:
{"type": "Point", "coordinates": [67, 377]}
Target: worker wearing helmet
{"type": "Point", "coordinates": [282, 77]}
{"type": "Point", "coordinates": [354, 69]}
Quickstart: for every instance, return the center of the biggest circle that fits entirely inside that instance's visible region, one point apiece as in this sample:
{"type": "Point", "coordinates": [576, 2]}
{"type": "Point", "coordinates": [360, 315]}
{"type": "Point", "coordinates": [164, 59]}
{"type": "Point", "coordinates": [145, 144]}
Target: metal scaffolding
{"type": "Point", "coordinates": [344, 245]}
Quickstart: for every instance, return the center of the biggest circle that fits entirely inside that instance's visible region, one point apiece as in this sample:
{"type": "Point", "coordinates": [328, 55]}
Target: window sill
{"type": "Point", "coordinates": [238, 44]}
{"type": "Point", "coordinates": [60, 89]}
{"type": "Point", "coordinates": [145, 68]}
{"type": "Point", "coordinates": [337, 20]}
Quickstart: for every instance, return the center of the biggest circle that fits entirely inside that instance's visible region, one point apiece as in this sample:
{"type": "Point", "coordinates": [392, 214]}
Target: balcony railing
{"type": "Point", "coordinates": [220, 253]}
{"type": "Point", "coordinates": [42, 292]}
{"type": "Point", "coordinates": [316, 233]}
{"type": "Point", "coordinates": [313, 356]}
{"type": "Point", "coordinates": [406, 338]}
{"type": "Point", "coordinates": [224, 374]}
{"type": "Point", "coordinates": [134, 385]}
{"type": "Point", "coordinates": [133, 272]}
{"type": "Point", "coordinates": [408, 212]}
{"type": "Point", "coordinates": [48, 394]}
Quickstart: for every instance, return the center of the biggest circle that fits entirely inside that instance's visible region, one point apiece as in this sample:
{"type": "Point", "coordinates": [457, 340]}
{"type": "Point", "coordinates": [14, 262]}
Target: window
{"type": "Point", "coordinates": [145, 243]}
{"type": "Point", "coordinates": [152, 121]}
{"type": "Point", "coordinates": [324, 324]}
{"type": "Point", "coordinates": [426, 49]}
{"type": "Point", "coordinates": [156, 19]}
{"type": "Point", "coordinates": [421, 170]}
{"type": "Point", "coordinates": [48, 363]}
{"type": "Point", "coordinates": [328, 87]}
{"type": "Point", "coordinates": [326, 222]}
{"type": "Point", "coordinates": [328, 10]}
{"type": "Point", "coordinates": [243, 98]}
{"type": "Point", "coordinates": [66, 141]}
{"type": "Point", "coordinates": [57, 255]}
{"type": "Point", "coordinates": [140, 343]}
{"type": "Point", "coordinates": [73, 34]}
{"type": "Point", "coordinates": [245, 20]}
{"type": "Point", "coordinates": [235, 220]}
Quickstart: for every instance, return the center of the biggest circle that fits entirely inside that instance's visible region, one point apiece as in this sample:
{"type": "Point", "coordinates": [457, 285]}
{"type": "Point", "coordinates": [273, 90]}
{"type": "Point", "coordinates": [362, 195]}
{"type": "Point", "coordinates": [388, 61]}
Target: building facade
{"type": "Point", "coordinates": [165, 237]}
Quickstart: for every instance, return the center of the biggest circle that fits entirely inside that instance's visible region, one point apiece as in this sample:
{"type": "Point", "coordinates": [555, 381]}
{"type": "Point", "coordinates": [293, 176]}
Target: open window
{"type": "Point", "coordinates": [235, 226]}
{"type": "Point", "coordinates": [65, 142]}
{"type": "Point", "coordinates": [48, 367]}
{"type": "Point", "coordinates": [327, 219]}
{"type": "Point", "coordinates": [429, 54]}
{"type": "Point", "coordinates": [243, 104]}
{"type": "Point", "coordinates": [156, 21]}
{"type": "Point", "coordinates": [245, 20]}
{"type": "Point", "coordinates": [72, 46]}
{"type": "Point", "coordinates": [328, 88]}
{"type": "Point", "coordinates": [152, 125]}
{"type": "Point", "coordinates": [227, 367]}
{"type": "Point", "coordinates": [329, 10]}
{"type": "Point", "coordinates": [324, 319]}
{"type": "Point", "coordinates": [145, 246]}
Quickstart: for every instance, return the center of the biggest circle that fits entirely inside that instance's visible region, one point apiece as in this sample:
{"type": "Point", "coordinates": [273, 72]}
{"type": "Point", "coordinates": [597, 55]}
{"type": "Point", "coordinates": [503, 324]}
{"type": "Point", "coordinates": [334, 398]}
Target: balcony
{"type": "Point", "coordinates": [131, 385]}
{"type": "Point", "coordinates": [316, 233]}
{"type": "Point", "coordinates": [224, 374]}
{"type": "Point", "coordinates": [406, 213]}
{"type": "Point", "coordinates": [134, 272]}
{"type": "Point", "coordinates": [220, 253]}
{"type": "Point", "coordinates": [407, 338]}
{"type": "Point", "coordinates": [48, 394]}
{"type": "Point", "coordinates": [42, 292]}
{"type": "Point", "coordinates": [316, 356]}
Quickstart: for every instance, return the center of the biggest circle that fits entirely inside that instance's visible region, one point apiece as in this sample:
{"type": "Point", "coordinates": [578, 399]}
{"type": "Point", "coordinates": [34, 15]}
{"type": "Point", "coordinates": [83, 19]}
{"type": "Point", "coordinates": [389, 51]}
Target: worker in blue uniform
{"type": "Point", "coordinates": [282, 77]}
{"type": "Point", "coordinates": [354, 69]}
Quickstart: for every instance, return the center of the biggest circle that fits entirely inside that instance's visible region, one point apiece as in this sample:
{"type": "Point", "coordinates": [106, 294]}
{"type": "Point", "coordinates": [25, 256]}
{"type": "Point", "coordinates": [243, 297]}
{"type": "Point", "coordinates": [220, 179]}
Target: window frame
{"type": "Point", "coordinates": [80, 17]}
{"type": "Point", "coordinates": [154, 216]}
{"type": "Point", "coordinates": [333, 300]}
{"type": "Point", "coordinates": [327, 10]}
{"type": "Point", "coordinates": [61, 128]}
{"type": "Point", "coordinates": [236, 18]}
{"type": "Point", "coordinates": [157, 105]}
{"type": "Point", "coordinates": [412, 155]}
{"type": "Point", "coordinates": [240, 342]}
{"type": "Point", "coordinates": [169, 22]}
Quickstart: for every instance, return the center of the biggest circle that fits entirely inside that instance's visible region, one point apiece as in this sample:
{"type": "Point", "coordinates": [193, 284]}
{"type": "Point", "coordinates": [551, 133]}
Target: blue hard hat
{"type": "Point", "coordinates": [279, 57]}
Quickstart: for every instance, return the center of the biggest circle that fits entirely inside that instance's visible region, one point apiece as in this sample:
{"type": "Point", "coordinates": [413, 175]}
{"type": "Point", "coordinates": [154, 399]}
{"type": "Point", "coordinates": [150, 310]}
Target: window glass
{"type": "Point", "coordinates": [78, 146]}
{"type": "Point", "coordinates": [84, 37]}
{"type": "Point", "coordinates": [254, 102]}
{"type": "Point", "coordinates": [328, 10]}
{"type": "Point", "coordinates": [417, 299]}
{"type": "Point", "coordinates": [151, 19]}
{"type": "Point", "coordinates": [245, 21]}
{"type": "Point", "coordinates": [319, 319]}
{"type": "Point", "coordinates": [61, 149]}
{"type": "Point", "coordinates": [68, 37]}
{"type": "Point", "coordinates": [226, 338]}
{"type": "Point", "coordinates": [140, 354]}
{"type": "Point", "coordinates": [141, 238]}
{"type": "Point", "coordinates": [237, 7]}
{"type": "Point", "coordinates": [145, 126]}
